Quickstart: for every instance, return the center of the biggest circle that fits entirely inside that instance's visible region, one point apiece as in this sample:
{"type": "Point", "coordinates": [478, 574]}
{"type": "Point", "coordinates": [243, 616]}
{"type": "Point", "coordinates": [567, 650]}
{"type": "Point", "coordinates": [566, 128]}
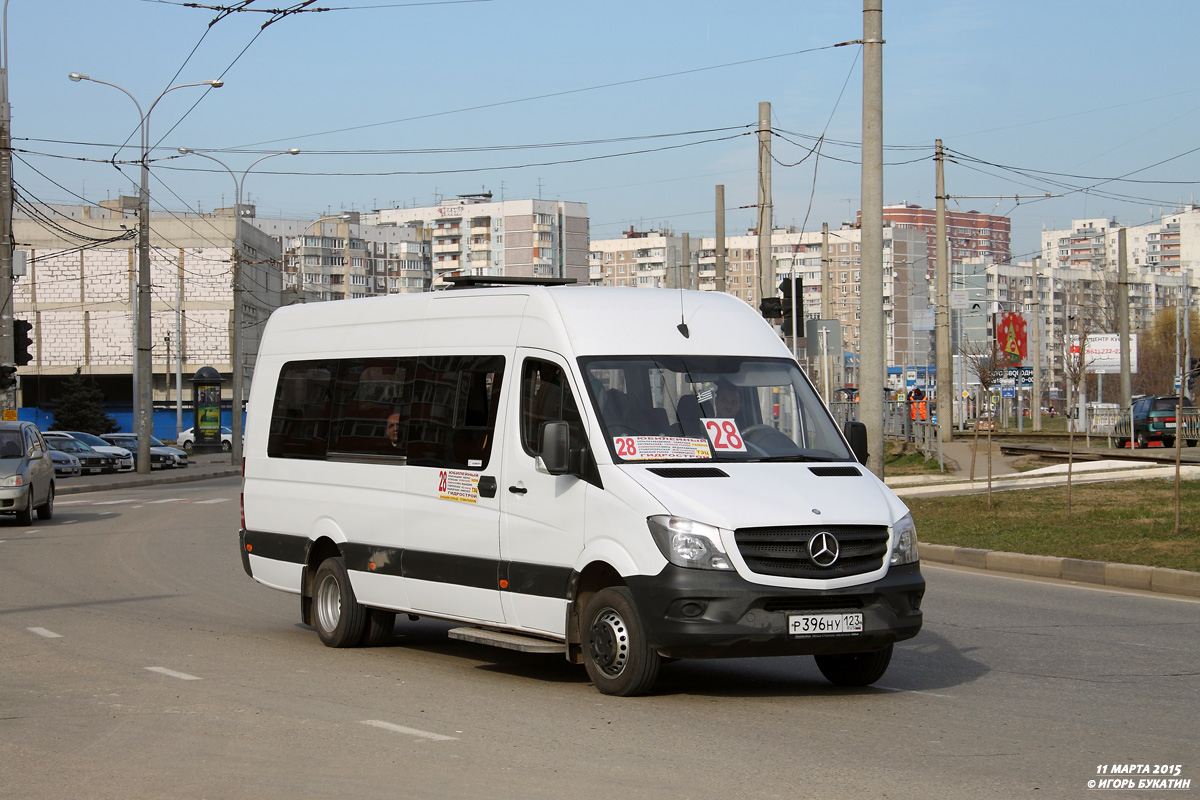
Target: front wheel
{"type": "Point", "coordinates": [615, 651]}
{"type": "Point", "coordinates": [338, 616]}
{"type": "Point", "coordinates": [855, 669]}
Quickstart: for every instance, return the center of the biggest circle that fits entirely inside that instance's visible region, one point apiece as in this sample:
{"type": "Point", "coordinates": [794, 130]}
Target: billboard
{"type": "Point", "coordinates": [1012, 338]}
{"type": "Point", "coordinates": [1103, 356]}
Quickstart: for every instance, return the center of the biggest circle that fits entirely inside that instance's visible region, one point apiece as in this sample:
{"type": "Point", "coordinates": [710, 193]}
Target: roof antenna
{"type": "Point", "coordinates": [682, 326]}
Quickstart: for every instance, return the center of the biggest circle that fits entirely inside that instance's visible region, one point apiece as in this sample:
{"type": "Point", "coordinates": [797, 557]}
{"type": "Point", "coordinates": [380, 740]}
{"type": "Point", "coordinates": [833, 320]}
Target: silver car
{"type": "Point", "coordinates": [26, 473]}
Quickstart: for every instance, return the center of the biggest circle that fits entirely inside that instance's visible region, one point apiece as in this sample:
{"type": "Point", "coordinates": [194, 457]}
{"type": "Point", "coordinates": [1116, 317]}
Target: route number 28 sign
{"type": "Point", "coordinates": [724, 435]}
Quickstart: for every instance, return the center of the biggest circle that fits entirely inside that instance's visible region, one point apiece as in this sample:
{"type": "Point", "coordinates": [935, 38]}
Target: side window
{"type": "Point", "coordinates": [371, 398]}
{"type": "Point", "coordinates": [300, 416]}
{"type": "Point", "coordinates": [546, 397]}
{"type": "Point", "coordinates": [453, 410]}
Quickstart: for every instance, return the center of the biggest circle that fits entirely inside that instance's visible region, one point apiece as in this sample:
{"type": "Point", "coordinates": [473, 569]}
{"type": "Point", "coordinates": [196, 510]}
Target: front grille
{"type": "Point", "coordinates": [835, 472]}
{"type": "Point", "coordinates": [689, 472]}
{"type": "Point", "coordinates": [821, 603]}
{"type": "Point", "coordinates": [783, 551]}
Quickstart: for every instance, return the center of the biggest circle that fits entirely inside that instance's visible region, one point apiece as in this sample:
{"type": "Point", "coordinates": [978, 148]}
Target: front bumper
{"type": "Point", "coordinates": [689, 613]}
{"type": "Point", "coordinates": [14, 498]}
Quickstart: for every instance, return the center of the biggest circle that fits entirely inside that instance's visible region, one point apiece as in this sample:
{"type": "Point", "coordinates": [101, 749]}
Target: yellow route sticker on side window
{"type": "Point", "coordinates": [660, 448]}
{"type": "Point", "coordinates": [458, 485]}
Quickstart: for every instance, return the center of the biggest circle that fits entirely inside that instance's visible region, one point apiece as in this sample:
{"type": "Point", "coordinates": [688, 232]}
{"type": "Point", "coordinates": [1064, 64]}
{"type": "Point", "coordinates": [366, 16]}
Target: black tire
{"type": "Point", "coordinates": [378, 628]}
{"type": "Point", "coordinates": [855, 669]}
{"type": "Point", "coordinates": [336, 612]}
{"type": "Point", "coordinates": [25, 515]}
{"type": "Point", "coordinates": [1120, 443]}
{"type": "Point", "coordinates": [187, 447]}
{"type": "Point", "coordinates": [1190, 442]}
{"type": "Point", "coordinates": [226, 446]}
{"type": "Point", "coordinates": [615, 651]}
{"type": "Point", "coordinates": [46, 510]}
{"type": "Point", "coordinates": [1143, 440]}
{"type": "Point", "coordinates": [1168, 441]}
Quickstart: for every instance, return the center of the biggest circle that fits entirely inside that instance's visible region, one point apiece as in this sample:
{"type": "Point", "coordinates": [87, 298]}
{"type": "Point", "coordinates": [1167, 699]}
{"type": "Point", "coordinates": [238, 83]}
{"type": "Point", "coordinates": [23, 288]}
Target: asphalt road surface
{"type": "Point", "coordinates": [139, 661]}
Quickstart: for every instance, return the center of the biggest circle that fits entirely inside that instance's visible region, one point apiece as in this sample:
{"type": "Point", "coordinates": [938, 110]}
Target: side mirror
{"type": "Point", "coordinates": [856, 434]}
{"type": "Point", "coordinates": [556, 447]}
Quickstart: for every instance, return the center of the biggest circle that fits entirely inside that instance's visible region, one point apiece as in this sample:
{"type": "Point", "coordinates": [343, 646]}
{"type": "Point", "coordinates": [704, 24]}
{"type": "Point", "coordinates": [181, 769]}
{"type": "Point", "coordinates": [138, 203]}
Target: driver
{"type": "Point", "coordinates": [729, 401]}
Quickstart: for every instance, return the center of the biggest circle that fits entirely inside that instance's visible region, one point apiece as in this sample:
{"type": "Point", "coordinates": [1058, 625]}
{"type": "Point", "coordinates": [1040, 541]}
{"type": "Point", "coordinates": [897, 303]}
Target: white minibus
{"type": "Point", "coordinates": [621, 476]}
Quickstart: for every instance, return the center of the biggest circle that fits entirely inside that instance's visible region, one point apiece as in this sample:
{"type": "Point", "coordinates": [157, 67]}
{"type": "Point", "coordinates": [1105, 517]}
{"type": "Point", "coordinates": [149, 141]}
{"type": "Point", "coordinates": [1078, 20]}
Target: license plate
{"type": "Point", "coordinates": [824, 624]}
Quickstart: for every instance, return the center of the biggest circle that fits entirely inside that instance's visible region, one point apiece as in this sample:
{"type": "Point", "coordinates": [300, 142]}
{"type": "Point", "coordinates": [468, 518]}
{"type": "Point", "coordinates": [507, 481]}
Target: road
{"type": "Point", "coordinates": [140, 661]}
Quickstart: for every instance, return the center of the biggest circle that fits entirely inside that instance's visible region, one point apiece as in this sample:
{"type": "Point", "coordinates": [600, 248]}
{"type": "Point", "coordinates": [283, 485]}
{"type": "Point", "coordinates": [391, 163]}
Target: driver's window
{"type": "Point", "coordinates": [546, 397]}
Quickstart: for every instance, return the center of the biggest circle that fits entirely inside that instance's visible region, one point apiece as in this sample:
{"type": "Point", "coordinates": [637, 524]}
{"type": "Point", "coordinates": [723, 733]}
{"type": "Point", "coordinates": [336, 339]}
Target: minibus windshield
{"type": "Point", "coordinates": [710, 408]}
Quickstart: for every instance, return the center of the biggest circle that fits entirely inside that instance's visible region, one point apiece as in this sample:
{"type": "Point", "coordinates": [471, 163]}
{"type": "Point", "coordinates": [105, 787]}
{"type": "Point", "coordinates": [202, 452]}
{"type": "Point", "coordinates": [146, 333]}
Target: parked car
{"type": "Point", "coordinates": [90, 461]}
{"type": "Point", "coordinates": [187, 439]}
{"type": "Point", "coordinates": [26, 472]}
{"type": "Point", "coordinates": [161, 456]}
{"type": "Point", "coordinates": [65, 464]}
{"type": "Point", "coordinates": [986, 422]}
{"type": "Point", "coordinates": [122, 457]}
{"type": "Point", "coordinates": [1156, 419]}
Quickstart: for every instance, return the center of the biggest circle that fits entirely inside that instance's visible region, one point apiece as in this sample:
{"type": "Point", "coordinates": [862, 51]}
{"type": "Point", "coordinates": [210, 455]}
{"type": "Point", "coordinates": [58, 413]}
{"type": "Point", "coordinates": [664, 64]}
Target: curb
{"type": "Point", "coordinates": [1124, 576]}
{"type": "Point", "coordinates": [149, 480]}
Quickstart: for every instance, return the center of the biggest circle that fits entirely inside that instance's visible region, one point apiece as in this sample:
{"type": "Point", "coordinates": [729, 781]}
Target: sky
{"type": "Point", "coordinates": [1050, 111]}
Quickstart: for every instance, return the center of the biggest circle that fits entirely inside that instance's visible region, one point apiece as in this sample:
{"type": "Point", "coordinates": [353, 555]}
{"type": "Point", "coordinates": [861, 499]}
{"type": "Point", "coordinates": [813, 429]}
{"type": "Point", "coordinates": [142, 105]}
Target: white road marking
{"type": "Point", "coordinates": [45, 633]}
{"type": "Point", "coordinates": [116, 502]}
{"type": "Point", "coordinates": [168, 500]}
{"type": "Point", "coordinates": [914, 691]}
{"type": "Point", "coordinates": [68, 522]}
{"type": "Point", "coordinates": [387, 726]}
{"type": "Point", "coordinates": [215, 500]}
{"type": "Point", "coordinates": [170, 673]}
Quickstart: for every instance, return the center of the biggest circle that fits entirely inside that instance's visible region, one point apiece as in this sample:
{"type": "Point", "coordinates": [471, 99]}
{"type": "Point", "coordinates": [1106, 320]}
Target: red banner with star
{"type": "Point", "coordinates": [1012, 340]}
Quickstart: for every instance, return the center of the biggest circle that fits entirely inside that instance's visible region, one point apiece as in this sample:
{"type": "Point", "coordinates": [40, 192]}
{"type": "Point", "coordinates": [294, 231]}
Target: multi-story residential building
{"type": "Point", "coordinates": [340, 257]}
{"type": "Point", "coordinates": [1165, 245]}
{"type": "Point", "coordinates": [474, 235]}
{"type": "Point", "coordinates": [646, 259]}
{"type": "Point", "coordinates": [970, 234]}
{"type": "Point", "coordinates": [81, 300]}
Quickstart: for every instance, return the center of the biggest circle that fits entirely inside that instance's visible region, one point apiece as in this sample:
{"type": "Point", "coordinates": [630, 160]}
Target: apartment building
{"type": "Point", "coordinates": [475, 235]}
{"type": "Point", "coordinates": [81, 299]}
{"type": "Point", "coordinates": [645, 259]}
{"type": "Point", "coordinates": [342, 256]}
{"type": "Point", "coordinates": [1165, 245]}
{"type": "Point", "coordinates": [969, 234]}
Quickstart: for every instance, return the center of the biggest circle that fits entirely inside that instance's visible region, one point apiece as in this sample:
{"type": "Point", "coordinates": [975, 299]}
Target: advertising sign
{"type": "Point", "coordinates": [1103, 356]}
{"type": "Point", "coordinates": [1012, 339]}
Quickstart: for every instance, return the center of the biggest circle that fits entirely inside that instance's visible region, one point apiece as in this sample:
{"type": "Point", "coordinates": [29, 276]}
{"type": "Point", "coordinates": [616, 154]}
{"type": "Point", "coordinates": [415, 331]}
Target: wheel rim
{"type": "Point", "coordinates": [610, 643]}
{"type": "Point", "coordinates": [329, 603]}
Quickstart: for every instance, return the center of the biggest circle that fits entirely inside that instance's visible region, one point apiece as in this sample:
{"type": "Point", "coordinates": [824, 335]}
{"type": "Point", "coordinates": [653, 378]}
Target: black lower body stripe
{"type": "Point", "coordinates": [519, 577]}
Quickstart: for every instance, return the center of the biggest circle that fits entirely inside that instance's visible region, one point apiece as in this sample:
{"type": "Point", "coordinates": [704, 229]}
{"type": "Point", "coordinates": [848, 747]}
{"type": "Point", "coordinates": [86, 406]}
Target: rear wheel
{"type": "Point", "coordinates": [226, 446]}
{"type": "Point", "coordinates": [46, 510]}
{"type": "Point", "coordinates": [855, 669]}
{"type": "Point", "coordinates": [1190, 442]}
{"type": "Point", "coordinates": [337, 614]}
{"type": "Point", "coordinates": [1142, 439]}
{"type": "Point", "coordinates": [615, 651]}
{"type": "Point", "coordinates": [378, 627]}
{"type": "Point", "coordinates": [1168, 441]}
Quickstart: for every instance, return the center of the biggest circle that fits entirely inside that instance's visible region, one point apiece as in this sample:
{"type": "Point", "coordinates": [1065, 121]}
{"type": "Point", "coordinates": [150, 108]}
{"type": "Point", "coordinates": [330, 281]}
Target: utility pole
{"type": "Point", "coordinates": [720, 237]}
{"type": "Point", "coordinates": [1036, 346]}
{"type": "Point", "coordinates": [826, 303]}
{"type": "Point", "coordinates": [9, 395]}
{"type": "Point", "coordinates": [1123, 320]}
{"type": "Point", "coordinates": [766, 270]}
{"type": "Point", "coordinates": [685, 264]}
{"type": "Point", "coordinates": [871, 333]}
{"type": "Point", "coordinates": [945, 358]}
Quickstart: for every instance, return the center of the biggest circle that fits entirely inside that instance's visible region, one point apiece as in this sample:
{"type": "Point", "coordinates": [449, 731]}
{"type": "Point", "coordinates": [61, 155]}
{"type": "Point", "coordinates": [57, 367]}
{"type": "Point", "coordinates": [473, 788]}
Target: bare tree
{"type": "Point", "coordinates": [1075, 367]}
{"type": "Point", "coordinates": [985, 361]}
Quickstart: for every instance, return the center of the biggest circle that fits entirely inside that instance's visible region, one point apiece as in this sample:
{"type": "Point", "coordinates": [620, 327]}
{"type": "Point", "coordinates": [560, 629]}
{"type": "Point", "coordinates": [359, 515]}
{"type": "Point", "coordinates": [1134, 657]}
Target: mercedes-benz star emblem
{"type": "Point", "coordinates": [823, 549]}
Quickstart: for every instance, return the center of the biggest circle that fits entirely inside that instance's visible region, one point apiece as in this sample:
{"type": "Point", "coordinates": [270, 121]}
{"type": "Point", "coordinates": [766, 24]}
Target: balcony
{"type": "Point", "coordinates": [447, 247]}
{"type": "Point", "coordinates": [441, 233]}
{"type": "Point", "coordinates": [480, 257]}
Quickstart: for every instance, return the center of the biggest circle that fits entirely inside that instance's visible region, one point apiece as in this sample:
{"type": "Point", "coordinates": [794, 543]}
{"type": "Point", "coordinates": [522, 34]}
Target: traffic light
{"type": "Point", "coordinates": [8, 377]}
{"type": "Point", "coordinates": [789, 326]}
{"type": "Point", "coordinates": [771, 307]}
{"type": "Point", "coordinates": [22, 342]}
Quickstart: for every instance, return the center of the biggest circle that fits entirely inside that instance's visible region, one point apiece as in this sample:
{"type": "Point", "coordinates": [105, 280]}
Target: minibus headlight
{"type": "Point", "coordinates": [904, 541]}
{"type": "Point", "coordinates": [687, 543]}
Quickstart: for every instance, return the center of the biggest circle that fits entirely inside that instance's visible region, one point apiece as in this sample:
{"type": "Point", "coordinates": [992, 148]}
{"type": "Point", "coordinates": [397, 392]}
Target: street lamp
{"type": "Point", "coordinates": [237, 355]}
{"type": "Point", "coordinates": [143, 368]}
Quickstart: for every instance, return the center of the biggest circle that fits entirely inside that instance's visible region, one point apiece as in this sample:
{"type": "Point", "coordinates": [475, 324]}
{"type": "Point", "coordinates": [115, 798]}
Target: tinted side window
{"type": "Point", "coordinates": [545, 397]}
{"type": "Point", "coordinates": [300, 416]}
{"type": "Point", "coordinates": [371, 397]}
{"type": "Point", "coordinates": [453, 411]}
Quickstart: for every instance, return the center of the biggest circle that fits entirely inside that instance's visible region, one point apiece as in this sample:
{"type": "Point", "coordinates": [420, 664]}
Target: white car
{"type": "Point", "coordinates": [161, 456]}
{"type": "Point", "coordinates": [188, 438]}
{"type": "Point", "coordinates": [124, 457]}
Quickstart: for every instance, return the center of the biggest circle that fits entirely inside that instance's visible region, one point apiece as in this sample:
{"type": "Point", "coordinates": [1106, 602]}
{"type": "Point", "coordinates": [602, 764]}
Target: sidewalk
{"type": "Point", "coordinates": [200, 467]}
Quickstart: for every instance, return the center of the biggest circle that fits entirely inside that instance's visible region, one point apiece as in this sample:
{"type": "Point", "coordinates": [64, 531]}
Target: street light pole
{"type": "Point", "coordinates": [238, 349]}
{"type": "Point", "coordinates": [143, 368]}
